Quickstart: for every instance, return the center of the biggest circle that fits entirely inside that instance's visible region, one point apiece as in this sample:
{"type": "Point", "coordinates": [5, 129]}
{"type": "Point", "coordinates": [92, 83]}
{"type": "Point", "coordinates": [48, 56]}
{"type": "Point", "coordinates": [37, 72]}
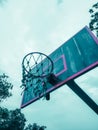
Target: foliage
{"type": "Point", "coordinates": [94, 18]}
{"type": "Point", "coordinates": [15, 120]}
{"type": "Point", "coordinates": [11, 120]}
{"type": "Point", "coordinates": [5, 87]}
{"type": "Point", "coordinates": [35, 127]}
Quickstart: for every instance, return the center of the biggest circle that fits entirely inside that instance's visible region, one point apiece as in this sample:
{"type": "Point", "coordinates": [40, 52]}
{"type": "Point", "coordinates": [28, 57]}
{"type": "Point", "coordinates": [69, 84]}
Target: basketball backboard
{"type": "Point", "coordinates": [75, 57]}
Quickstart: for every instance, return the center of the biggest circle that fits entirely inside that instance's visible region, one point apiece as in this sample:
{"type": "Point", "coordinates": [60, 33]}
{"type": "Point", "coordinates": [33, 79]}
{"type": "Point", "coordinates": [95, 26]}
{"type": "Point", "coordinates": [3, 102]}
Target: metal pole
{"type": "Point", "coordinates": [83, 95]}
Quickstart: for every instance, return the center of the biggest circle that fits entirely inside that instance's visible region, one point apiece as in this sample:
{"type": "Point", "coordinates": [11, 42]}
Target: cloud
{"type": "Point", "coordinates": [59, 2]}
{"type": "Point", "coordinates": [27, 26]}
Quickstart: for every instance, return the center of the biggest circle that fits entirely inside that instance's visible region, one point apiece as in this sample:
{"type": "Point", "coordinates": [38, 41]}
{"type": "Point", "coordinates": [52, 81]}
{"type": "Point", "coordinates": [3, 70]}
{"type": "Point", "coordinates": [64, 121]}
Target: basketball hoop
{"type": "Point", "coordinates": [36, 68]}
{"type": "Point", "coordinates": [37, 64]}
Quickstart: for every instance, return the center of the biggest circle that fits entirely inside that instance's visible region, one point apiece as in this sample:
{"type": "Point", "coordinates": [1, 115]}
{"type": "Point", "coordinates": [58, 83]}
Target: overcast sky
{"type": "Point", "coordinates": [43, 25]}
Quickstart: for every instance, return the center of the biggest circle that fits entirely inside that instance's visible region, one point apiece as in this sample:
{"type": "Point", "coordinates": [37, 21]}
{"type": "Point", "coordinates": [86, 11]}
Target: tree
{"type": "Point", "coordinates": [94, 18]}
{"type": "Point", "coordinates": [12, 119]}
{"type": "Point", "coordinates": [35, 127]}
{"type": "Point", "coordinates": [5, 87]}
